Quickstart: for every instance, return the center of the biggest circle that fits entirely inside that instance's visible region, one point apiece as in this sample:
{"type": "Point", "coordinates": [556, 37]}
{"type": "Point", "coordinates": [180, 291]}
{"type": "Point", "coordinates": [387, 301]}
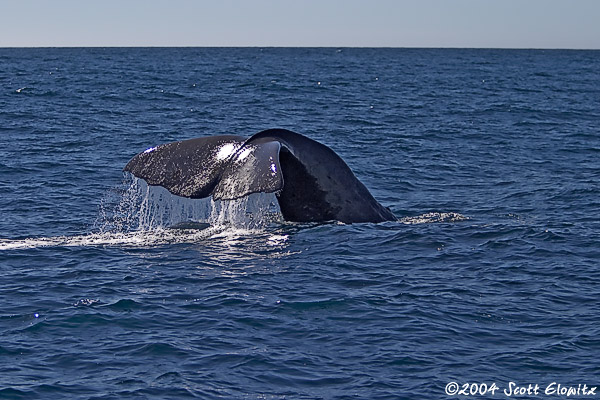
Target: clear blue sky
{"type": "Point", "coordinates": [376, 23]}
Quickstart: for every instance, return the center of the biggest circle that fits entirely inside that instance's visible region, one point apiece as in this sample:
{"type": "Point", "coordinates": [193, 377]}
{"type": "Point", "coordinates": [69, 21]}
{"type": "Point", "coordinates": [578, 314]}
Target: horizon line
{"type": "Point", "coordinates": [296, 47]}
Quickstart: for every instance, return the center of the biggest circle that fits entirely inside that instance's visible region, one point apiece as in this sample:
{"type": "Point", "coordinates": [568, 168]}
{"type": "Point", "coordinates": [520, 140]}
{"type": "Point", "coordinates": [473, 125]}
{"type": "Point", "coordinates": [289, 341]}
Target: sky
{"type": "Point", "coordinates": [572, 24]}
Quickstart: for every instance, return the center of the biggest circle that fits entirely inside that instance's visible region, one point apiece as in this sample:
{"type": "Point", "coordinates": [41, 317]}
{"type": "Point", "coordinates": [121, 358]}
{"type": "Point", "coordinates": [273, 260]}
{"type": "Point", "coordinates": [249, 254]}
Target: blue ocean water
{"type": "Point", "coordinates": [490, 158]}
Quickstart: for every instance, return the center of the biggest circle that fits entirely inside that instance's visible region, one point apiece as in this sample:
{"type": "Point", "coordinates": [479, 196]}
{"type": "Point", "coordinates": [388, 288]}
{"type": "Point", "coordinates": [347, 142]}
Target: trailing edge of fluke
{"type": "Point", "coordinates": [311, 182]}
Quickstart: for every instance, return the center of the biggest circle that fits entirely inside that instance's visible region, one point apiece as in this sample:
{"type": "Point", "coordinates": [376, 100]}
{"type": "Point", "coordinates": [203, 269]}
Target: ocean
{"type": "Point", "coordinates": [488, 282]}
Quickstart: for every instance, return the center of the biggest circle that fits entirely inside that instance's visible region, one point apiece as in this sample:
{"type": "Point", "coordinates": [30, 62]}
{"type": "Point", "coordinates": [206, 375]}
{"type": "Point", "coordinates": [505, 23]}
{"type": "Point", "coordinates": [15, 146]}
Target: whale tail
{"type": "Point", "coordinates": [312, 183]}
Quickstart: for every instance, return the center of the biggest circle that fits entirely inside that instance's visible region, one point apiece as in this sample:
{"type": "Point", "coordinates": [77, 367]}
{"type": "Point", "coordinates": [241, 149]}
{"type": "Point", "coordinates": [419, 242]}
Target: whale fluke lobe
{"type": "Point", "coordinates": [189, 168]}
{"type": "Point", "coordinates": [311, 182]}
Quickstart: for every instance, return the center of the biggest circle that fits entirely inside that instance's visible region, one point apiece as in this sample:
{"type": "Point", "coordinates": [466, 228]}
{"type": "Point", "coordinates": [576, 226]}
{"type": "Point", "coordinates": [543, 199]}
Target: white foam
{"type": "Point", "coordinates": [433, 217]}
{"type": "Point", "coordinates": [136, 239]}
{"type": "Point", "coordinates": [277, 240]}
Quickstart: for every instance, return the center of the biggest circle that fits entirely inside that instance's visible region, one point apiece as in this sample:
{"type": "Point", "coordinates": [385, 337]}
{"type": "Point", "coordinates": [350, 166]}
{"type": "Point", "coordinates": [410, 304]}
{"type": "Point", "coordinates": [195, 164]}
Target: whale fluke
{"type": "Point", "coordinates": [311, 182]}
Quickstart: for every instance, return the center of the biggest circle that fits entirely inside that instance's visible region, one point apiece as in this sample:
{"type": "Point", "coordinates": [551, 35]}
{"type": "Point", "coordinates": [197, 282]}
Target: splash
{"type": "Point", "coordinates": [140, 207]}
{"type": "Point", "coordinates": [138, 215]}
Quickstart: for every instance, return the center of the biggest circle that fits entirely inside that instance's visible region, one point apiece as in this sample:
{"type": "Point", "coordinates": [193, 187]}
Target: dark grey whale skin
{"type": "Point", "coordinates": [312, 183]}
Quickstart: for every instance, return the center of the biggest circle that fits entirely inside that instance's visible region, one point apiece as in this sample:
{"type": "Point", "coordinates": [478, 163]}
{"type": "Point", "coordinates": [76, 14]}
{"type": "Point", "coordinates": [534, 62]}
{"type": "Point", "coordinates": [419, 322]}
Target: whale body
{"type": "Point", "coordinates": [311, 182]}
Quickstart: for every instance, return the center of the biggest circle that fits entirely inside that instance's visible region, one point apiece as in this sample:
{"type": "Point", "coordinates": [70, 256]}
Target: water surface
{"type": "Point", "coordinates": [490, 158]}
